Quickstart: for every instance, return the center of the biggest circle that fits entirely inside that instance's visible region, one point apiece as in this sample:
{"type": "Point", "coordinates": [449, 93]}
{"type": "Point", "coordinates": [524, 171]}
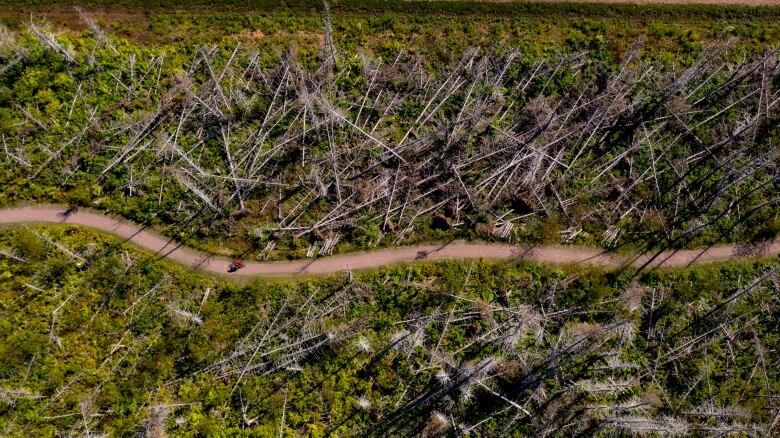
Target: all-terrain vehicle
{"type": "Point", "coordinates": [236, 265]}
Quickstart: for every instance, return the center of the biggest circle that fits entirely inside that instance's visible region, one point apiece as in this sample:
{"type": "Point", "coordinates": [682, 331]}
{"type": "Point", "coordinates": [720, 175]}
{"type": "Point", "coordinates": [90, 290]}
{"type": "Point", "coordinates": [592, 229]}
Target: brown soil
{"type": "Point", "coordinates": [668, 2]}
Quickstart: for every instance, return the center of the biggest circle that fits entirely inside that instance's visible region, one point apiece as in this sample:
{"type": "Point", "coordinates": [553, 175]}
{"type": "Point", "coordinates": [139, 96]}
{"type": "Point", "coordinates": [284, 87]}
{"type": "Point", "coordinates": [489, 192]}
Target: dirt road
{"type": "Point", "coordinates": [680, 2]}
{"type": "Point", "coordinates": [373, 259]}
{"type": "Point", "coordinates": [656, 2]}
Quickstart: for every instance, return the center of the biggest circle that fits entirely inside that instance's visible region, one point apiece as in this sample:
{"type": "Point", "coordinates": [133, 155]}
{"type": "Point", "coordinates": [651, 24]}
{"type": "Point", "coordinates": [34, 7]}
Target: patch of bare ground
{"type": "Point", "coordinates": [657, 2]}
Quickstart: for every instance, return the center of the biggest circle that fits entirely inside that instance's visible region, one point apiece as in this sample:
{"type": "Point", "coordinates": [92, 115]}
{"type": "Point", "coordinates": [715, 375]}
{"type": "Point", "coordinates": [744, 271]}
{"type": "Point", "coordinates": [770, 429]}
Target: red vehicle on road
{"type": "Point", "coordinates": [236, 265]}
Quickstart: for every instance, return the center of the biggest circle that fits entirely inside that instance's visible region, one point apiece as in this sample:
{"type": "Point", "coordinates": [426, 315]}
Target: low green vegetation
{"type": "Point", "coordinates": [434, 28]}
{"type": "Point", "coordinates": [96, 337]}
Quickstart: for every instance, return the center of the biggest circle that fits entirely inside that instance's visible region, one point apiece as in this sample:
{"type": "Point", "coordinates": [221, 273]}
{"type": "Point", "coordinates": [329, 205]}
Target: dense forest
{"type": "Point", "coordinates": [122, 343]}
{"type": "Point", "coordinates": [279, 130]}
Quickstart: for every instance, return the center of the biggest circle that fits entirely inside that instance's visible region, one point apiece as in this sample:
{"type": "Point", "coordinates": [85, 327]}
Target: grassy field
{"type": "Point", "coordinates": [371, 23]}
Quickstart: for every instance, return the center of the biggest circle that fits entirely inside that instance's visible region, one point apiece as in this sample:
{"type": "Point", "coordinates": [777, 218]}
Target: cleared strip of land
{"type": "Point", "coordinates": [455, 250]}
{"type": "Point", "coordinates": [667, 2]}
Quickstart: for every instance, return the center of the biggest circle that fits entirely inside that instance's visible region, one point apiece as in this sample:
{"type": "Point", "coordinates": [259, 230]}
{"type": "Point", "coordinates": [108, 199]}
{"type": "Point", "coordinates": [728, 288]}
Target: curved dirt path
{"type": "Point", "coordinates": [373, 259]}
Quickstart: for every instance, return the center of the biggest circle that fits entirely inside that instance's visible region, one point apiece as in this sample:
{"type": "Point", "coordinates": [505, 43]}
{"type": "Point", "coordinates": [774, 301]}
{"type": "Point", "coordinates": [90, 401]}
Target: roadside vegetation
{"type": "Point", "coordinates": [96, 337]}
